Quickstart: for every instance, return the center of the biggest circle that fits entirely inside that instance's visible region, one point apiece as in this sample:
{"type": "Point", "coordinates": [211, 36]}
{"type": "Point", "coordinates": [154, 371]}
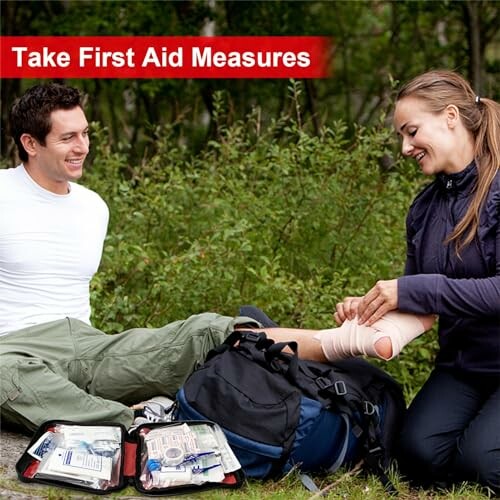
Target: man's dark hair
{"type": "Point", "coordinates": [30, 114]}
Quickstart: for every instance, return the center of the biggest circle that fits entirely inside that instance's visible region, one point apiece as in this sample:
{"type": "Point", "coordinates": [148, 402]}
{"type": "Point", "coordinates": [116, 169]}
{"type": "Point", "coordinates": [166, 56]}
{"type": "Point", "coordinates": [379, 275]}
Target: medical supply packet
{"type": "Point", "coordinates": [157, 459]}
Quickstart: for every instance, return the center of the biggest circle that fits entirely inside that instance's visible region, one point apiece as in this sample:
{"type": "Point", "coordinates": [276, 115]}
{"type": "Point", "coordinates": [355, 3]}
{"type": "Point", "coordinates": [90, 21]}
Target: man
{"type": "Point", "coordinates": [52, 230]}
{"type": "Point", "coordinates": [54, 365]}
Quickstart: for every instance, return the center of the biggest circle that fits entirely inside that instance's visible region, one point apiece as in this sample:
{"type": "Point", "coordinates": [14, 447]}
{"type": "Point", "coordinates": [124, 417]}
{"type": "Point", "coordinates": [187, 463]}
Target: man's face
{"type": "Point", "coordinates": [61, 159]}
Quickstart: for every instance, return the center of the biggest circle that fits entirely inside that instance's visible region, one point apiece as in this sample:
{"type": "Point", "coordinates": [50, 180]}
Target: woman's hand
{"type": "Point", "coordinates": [382, 298]}
{"type": "Point", "coordinates": [347, 309]}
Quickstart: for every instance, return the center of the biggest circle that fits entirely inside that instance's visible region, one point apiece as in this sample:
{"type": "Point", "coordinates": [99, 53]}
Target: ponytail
{"type": "Point", "coordinates": [487, 154]}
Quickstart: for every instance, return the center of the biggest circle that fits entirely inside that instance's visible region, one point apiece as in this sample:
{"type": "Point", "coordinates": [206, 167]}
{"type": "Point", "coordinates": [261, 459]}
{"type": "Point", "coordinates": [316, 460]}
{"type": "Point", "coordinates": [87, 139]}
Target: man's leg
{"type": "Point", "coordinates": [128, 367]}
{"type": "Point", "coordinates": [39, 380]}
{"type": "Point", "coordinates": [384, 339]}
{"type": "Point", "coordinates": [32, 394]}
{"type": "Point", "coordinates": [69, 370]}
{"type": "Point", "coordinates": [140, 363]}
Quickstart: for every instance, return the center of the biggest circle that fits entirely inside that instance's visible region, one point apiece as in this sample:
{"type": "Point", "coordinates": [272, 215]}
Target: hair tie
{"type": "Point", "coordinates": [477, 100]}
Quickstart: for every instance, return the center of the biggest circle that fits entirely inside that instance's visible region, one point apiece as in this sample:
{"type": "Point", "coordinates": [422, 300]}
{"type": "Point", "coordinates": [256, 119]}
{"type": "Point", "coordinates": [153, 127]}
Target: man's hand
{"type": "Point", "coordinates": [347, 309]}
{"type": "Point", "coordinates": [381, 299]}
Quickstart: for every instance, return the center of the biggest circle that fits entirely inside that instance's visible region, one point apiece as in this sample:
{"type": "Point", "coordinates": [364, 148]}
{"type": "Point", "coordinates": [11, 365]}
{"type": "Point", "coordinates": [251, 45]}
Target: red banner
{"type": "Point", "coordinates": [164, 57]}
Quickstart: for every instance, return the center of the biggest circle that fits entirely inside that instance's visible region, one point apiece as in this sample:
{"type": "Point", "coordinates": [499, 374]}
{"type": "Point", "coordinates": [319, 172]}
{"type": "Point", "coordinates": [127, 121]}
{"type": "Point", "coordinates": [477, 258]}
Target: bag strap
{"type": "Point", "coordinates": [367, 423]}
{"type": "Point", "coordinates": [343, 452]}
{"type": "Point", "coordinates": [235, 337]}
{"type": "Point", "coordinates": [373, 462]}
{"type": "Point", "coordinates": [271, 354]}
{"type": "Point", "coordinates": [283, 362]}
{"type": "Point", "coordinates": [262, 350]}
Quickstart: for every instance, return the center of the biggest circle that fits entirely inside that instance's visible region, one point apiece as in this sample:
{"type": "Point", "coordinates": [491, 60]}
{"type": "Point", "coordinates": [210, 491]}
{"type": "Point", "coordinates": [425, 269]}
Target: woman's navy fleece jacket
{"type": "Point", "coordinates": [465, 290]}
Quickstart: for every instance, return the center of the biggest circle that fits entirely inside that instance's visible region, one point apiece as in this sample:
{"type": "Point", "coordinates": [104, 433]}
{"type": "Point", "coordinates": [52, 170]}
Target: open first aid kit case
{"type": "Point", "coordinates": [157, 459]}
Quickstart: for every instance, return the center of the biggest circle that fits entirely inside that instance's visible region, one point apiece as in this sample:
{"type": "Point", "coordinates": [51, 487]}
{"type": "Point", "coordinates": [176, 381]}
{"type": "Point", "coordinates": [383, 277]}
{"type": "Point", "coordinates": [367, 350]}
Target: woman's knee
{"type": "Point", "coordinates": [476, 461]}
{"type": "Point", "coordinates": [412, 449]}
{"type": "Point", "coordinates": [422, 453]}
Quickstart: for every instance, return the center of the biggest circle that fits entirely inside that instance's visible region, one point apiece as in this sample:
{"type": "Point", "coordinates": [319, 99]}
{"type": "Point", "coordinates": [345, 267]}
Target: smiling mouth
{"type": "Point", "coordinates": [75, 163]}
{"type": "Point", "coordinates": [419, 156]}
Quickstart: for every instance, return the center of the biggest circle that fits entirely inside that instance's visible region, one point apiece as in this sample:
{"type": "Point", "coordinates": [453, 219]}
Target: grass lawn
{"type": "Point", "coordinates": [342, 485]}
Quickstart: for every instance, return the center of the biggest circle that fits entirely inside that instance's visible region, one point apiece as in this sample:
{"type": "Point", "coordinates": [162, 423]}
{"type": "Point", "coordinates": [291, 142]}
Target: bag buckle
{"type": "Point", "coordinates": [371, 409]}
{"type": "Point", "coordinates": [251, 336]}
{"type": "Point", "coordinates": [323, 383]}
{"type": "Point", "coordinates": [374, 450]}
{"type": "Point", "coordinates": [340, 388]}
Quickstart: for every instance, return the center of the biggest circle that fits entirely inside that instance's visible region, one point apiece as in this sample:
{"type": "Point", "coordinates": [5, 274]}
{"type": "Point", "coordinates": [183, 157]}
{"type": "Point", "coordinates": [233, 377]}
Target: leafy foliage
{"type": "Point", "coordinates": [289, 221]}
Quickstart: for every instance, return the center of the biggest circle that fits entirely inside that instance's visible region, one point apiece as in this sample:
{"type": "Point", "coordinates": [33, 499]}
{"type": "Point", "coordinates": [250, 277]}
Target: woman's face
{"type": "Point", "coordinates": [428, 137]}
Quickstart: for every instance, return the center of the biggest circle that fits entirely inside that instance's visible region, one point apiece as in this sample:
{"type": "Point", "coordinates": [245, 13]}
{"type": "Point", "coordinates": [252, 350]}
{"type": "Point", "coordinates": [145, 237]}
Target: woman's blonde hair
{"type": "Point", "coordinates": [481, 117]}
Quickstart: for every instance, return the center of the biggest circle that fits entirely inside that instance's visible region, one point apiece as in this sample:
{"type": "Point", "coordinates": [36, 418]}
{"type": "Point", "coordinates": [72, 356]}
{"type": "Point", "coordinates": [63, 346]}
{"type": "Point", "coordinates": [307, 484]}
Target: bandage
{"type": "Point", "coordinates": [173, 456]}
{"type": "Point", "coordinates": [351, 339]}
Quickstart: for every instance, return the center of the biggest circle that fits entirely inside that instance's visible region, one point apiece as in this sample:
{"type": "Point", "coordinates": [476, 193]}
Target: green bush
{"type": "Point", "coordinates": [281, 219]}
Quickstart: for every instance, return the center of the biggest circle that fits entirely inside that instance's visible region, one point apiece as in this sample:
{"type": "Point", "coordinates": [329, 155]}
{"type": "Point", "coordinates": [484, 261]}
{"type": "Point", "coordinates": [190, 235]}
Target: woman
{"type": "Point", "coordinates": [452, 431]}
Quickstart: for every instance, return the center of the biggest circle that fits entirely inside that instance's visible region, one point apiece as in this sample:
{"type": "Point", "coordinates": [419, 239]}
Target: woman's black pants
{"type": "Point", "coordinates": [452, 431]}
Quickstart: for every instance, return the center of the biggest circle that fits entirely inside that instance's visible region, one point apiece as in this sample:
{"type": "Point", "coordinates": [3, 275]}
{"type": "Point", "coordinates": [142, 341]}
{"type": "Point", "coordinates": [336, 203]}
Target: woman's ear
{"type": "Point", "coordinates": [452, 115]}
{"type": "Point", "coordinates": [28, 144]}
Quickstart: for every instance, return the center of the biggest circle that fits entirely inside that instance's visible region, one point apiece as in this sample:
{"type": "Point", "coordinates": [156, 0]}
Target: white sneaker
{"type": "Point", "coordinates": [155, 410]}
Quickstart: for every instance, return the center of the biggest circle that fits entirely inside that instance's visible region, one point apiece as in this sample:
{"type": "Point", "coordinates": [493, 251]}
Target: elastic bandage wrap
{"type": "Point", "coordinates": [351, 339]}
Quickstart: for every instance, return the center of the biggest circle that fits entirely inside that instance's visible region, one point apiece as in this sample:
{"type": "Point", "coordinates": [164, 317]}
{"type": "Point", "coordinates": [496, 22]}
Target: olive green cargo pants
{"type": "Point", "coordinates": [68, 370]}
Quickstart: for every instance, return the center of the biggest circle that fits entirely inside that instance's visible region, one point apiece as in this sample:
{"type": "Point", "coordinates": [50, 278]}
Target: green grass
{"type": "Point", "coordinates": [342, 485]}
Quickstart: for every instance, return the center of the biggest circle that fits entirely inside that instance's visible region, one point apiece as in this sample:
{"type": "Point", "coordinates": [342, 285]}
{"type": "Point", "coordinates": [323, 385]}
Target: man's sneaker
{"type": "Point", "coordinates": [156, 410]}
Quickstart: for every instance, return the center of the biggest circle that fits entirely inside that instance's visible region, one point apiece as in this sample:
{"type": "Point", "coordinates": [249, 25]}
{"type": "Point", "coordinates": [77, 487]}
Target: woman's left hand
{"type": "Point", "coordinates": [382, 298]}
